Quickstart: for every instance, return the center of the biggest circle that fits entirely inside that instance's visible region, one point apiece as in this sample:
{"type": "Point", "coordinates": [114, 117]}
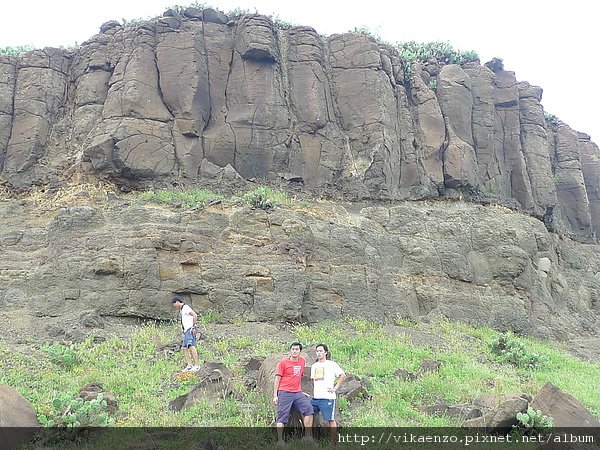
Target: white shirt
{"type": "Point", "coordinates": [324, 375]}
{"type": "Point", "coordinates": [187, 319]}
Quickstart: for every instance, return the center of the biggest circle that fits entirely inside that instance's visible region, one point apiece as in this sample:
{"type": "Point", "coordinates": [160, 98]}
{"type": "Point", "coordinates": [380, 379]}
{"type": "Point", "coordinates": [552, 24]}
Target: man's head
{"type": "Point", "coordinates": [322, 352]}
{"type": "Point", "coordinates": [177, 301]}
{"type": "Point", "coordinates": [295, 349]}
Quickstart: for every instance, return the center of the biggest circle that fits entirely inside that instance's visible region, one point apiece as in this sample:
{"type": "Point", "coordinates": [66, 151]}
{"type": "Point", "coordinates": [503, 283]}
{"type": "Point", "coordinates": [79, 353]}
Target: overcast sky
{"type": "Point", "coordinates": [555, 47]}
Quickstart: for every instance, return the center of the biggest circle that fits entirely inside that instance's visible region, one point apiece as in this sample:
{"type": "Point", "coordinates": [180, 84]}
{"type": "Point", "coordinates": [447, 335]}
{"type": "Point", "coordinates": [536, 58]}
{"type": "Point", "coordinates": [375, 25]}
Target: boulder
{"type": "Point", "coordinates": [16, 412]}
{"type": "Point", "coordinates": [565, 410]}
{"type": "Point", "coordinates": [430, 365]}
{"type": "Point", "coordinates": [91, 391]}
{"type": "Point", "coordinates": [406, 375]}
{"type": "Point", "coordinates": [501, 417]}
{"type": "Point", "coordinates": [442, 408]}
{"type": "Point", "coordinates": [215, 384]}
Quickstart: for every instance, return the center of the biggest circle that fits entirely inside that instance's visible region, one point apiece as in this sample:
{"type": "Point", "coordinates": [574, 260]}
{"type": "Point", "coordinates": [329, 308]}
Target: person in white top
{"type": "Point", "coordinates": [188, 320]}
{"type": "Point", "coordinates": [324, 374]}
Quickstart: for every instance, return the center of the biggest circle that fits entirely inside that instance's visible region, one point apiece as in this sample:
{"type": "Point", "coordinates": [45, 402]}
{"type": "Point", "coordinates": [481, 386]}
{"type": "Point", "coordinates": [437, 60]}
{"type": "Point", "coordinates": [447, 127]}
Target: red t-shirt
{"type": "Point", "coordinates": [291, 374]}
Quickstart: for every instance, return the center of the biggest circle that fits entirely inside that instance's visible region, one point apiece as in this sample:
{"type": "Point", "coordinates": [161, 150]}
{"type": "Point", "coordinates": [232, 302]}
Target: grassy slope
{"type": "Point", "coordinates": [142, 378]}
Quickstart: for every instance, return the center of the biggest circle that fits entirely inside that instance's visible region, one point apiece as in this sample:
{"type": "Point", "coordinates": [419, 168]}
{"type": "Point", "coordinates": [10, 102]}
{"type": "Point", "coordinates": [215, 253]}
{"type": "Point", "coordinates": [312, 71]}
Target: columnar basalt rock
{"type": "Point", "coordinates": [145, 104]}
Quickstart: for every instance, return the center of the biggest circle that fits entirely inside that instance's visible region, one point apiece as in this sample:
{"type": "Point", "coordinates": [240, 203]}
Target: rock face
{"type": "Point", "coordinates": [121, 261]}
{"type": "Point", "coordinates": [146, 104]}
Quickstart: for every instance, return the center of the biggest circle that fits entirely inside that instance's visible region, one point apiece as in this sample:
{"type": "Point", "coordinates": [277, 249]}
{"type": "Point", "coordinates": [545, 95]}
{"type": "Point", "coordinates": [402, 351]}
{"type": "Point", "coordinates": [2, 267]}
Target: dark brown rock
{"type": "Point", "coordinates": [91, 391]}
{"type": "Point", "coordinates": [564, 409]}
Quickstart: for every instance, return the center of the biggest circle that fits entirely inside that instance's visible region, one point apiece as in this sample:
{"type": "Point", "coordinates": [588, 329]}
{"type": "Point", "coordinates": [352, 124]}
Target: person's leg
{"type": "Point", "coordinates": [284, 407]}
{"type": "Point", "coordinates": [280, 426]}
{"type": "Point", "coordinates": [187, 343]}
{"type": "Point", "coordinates": [333, 431]}
{"type": "Point", "coordinates": [302, 404]}
{"type": "Point", "coordinates": [194, 353]}
{"type": "Point", "coordinates": [327, 408]}
{"type": "Point", "coordinates": [315, 404]}
{"type": "Point", "coordinates": [188, 358]}
{"type": "Point", "coordinates": [308, 422]}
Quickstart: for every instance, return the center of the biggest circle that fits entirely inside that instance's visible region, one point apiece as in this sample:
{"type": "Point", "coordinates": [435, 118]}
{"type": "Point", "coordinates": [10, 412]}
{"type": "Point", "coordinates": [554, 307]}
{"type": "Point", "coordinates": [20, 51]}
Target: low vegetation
{"type": "Point", "coordinates": [506, 348]}
{"type": "Point", "coordinates": [551, 119]}
{"type": "Point", "coordinates": [421, 52]}
{"type": "Point", "coordinates": [193, 198]}
{"type": "Point", "coordinates": [72, 413]}
{"type": "Point", "coordinates": [259, 198]}
{"type": "Point", "coordinates": [533, 422]}
{"type": "Point", "coordinates": [17, 50]}
{"type": "Point", "coordinates": [443, 52]}
{"type": "Point", "coordinates": [141, 374]}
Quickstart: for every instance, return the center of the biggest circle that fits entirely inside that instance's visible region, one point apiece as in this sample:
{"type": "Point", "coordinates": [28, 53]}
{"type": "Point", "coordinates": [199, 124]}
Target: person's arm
{"type": "Point", "coordinates": [341, 376]}
{"type": "Point", "coordinates": [194, 316]}
{"type": "Point", "coordinates": [340, 380]}
{"type": "Point", "coordinates": [276, 388]}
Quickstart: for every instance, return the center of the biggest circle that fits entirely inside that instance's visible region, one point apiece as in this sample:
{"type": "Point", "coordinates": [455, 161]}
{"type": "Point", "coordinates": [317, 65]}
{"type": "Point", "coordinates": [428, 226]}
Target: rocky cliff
{"type": "Point", "coordinates": [152, 100]}
{"type": "Point", "coordinates": [194, 97]}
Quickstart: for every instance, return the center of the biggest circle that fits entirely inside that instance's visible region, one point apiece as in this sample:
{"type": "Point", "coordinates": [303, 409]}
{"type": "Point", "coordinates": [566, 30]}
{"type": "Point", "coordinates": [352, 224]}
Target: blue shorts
{"type": "Point", "coordinates": [289, 400]}
{"type": "Point", "coordinates": [326, 406]}
{"type": "Point", "coordinates": [189, 340]}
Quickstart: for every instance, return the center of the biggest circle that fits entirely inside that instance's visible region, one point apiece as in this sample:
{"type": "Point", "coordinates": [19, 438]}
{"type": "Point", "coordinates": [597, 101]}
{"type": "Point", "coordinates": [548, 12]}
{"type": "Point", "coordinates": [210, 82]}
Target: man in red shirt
{"type": "Point", "coordinates": [287, 392]}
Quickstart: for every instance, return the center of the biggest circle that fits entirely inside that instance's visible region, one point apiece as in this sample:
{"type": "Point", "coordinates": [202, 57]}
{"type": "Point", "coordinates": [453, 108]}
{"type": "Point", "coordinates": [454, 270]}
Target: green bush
{"type": "Point", "coordinates": [551, 118]}
{"type": "Point", "coordinates": [75, 412]}
{"type": "Point", "coordinates": [265, 198]}
{"type": "Point", "coordinates": [61, 355]}
{"type": "Point", "coordinates": [508, 349]}
{"type": "Point", "coordinates": [442, 52]}
{"type": "Point", "coordinates": [236, 13]}
{"type": "Point", "coordinates": [365, 31]}
{"type": "Point", "coordinates": [532, 422]}
{"type": "Point", "coordinates": [281, 23]}
{"type": "Point", "coordinates": [16, 51]}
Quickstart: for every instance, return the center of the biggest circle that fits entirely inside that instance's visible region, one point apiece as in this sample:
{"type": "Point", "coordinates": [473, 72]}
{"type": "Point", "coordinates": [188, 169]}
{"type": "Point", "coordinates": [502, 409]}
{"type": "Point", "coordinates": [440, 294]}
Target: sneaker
{"type": "Point", "coordinates": [195, 369]}
{"type": "Point", "coordinates": [308, 439]}
{"type": "Point", "coordinates": [280, 444]}
{"type": "Point", "coordinates": [187, 368]}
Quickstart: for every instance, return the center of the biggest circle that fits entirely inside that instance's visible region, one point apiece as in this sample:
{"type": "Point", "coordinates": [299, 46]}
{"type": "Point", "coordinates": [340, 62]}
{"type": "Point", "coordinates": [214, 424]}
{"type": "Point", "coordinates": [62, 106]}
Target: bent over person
{"type": "Point", "coordinates": [188, 320]}
{"type": "Point", "coordinates": [324, 373]}
{"type": "Point", "coordinates": [287, 392]}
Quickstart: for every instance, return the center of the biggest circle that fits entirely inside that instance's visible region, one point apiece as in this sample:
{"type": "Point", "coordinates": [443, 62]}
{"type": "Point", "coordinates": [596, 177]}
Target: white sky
{"type": "Point", "coordinates": [555, 47]}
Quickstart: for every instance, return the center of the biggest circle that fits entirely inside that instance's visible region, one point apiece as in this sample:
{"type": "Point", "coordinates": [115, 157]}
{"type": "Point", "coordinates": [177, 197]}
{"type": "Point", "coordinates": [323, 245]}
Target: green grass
{"type": "Point", "coordinates": [261, 197]}
{"type": "Point", "coordinates": [141, 376]}
{"type": "Point", "coordinates": [193, 198]}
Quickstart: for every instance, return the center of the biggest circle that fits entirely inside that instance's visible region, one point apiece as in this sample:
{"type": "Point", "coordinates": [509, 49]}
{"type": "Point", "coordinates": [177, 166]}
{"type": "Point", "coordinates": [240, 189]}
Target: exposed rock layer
{"type": "Point", "coordinates": [72, 272]}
